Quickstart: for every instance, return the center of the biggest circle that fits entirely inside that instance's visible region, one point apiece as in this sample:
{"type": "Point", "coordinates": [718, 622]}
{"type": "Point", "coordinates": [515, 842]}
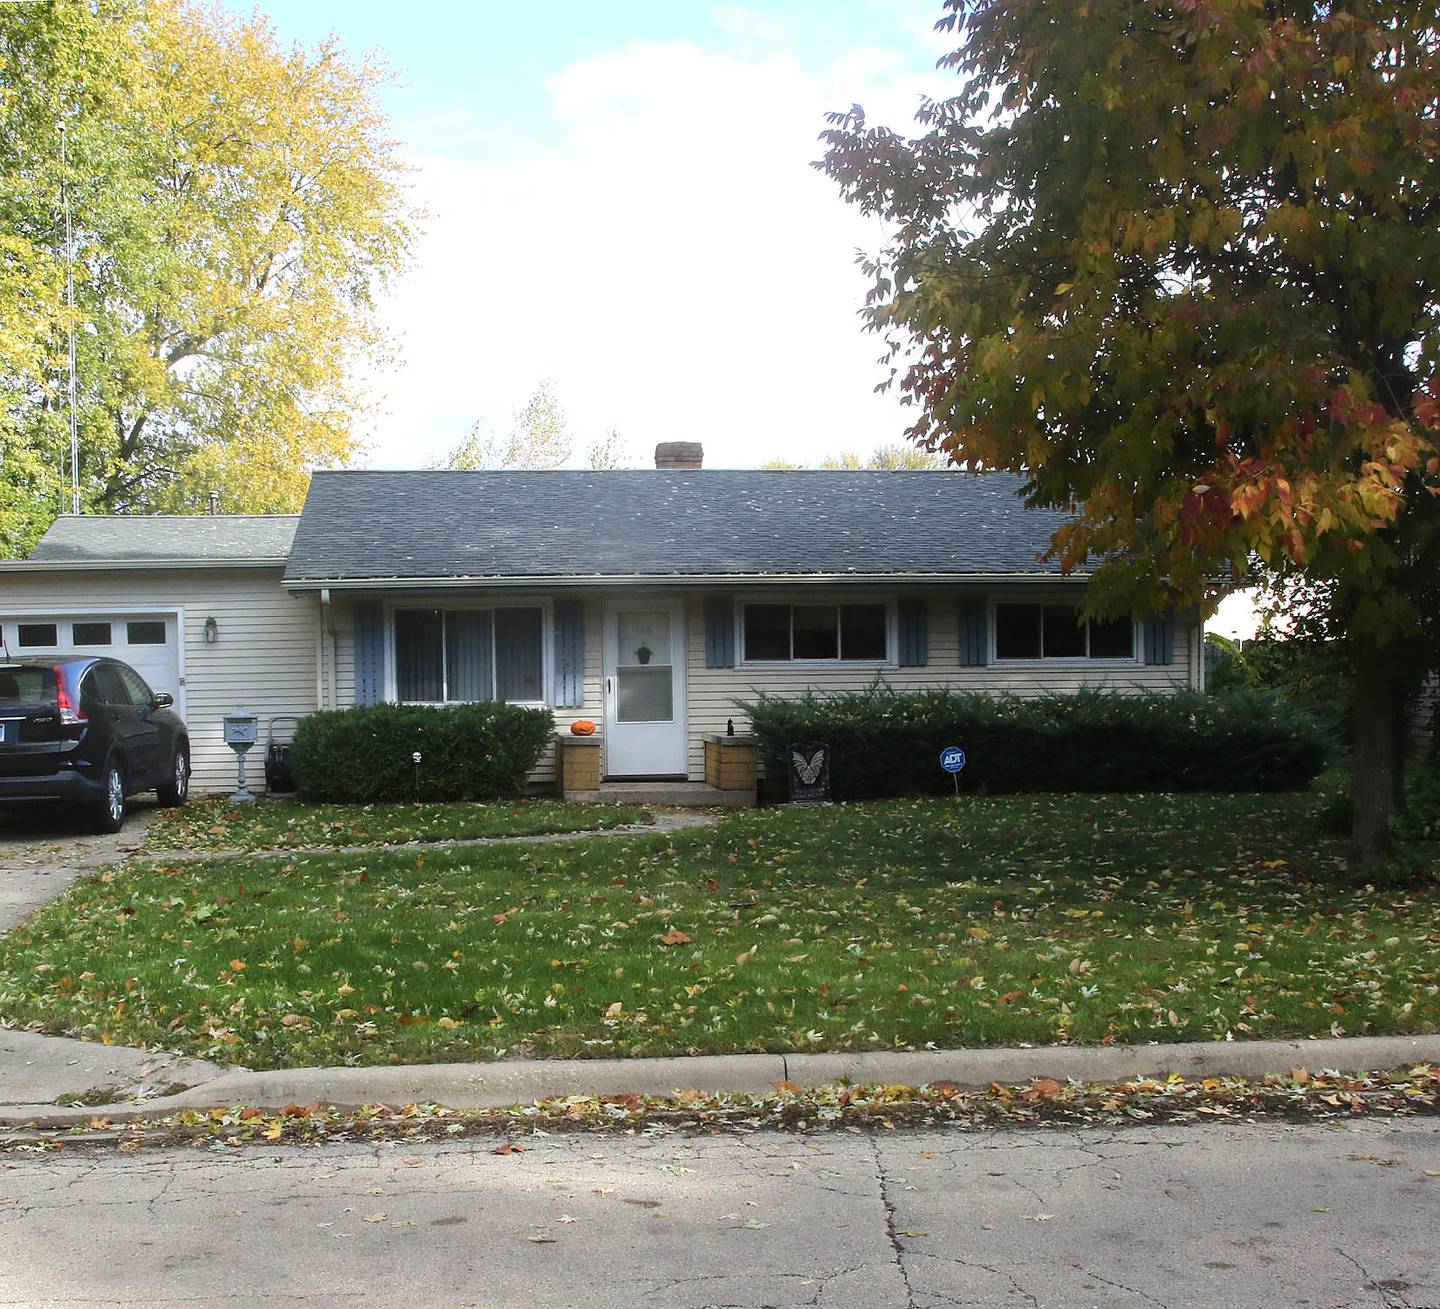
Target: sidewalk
{"type": "Point", "coordinates": [56, 1067]}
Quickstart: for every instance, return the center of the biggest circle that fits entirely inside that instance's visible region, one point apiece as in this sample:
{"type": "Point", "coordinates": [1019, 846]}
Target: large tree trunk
{"type": "Point", "coordinates": [1378, 754]}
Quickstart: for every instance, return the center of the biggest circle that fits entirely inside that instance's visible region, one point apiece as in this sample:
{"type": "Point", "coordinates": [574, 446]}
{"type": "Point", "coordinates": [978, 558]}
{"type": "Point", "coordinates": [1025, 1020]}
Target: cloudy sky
{"type": "Point", "coordinates": [621, 201]}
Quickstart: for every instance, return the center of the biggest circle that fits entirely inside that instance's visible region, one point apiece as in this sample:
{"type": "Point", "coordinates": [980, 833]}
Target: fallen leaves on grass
{"type": "Point", "coordinates": [1006, 920]}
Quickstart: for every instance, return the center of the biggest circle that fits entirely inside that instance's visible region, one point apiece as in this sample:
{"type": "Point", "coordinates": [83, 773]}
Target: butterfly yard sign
{"type": "Point", "coordinates": [810, 773]}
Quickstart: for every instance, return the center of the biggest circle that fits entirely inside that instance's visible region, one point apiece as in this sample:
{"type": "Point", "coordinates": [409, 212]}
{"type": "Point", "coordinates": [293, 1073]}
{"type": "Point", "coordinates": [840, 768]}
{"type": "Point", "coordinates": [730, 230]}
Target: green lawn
{"type": "Point", "coordinates": [213, 823]}
{"type": "Point", "coordinates": [895, 925]}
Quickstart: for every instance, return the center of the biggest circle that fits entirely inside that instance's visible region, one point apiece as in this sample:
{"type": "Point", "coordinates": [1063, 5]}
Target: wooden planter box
{"type": "Point", "coordinates": [579, 766]}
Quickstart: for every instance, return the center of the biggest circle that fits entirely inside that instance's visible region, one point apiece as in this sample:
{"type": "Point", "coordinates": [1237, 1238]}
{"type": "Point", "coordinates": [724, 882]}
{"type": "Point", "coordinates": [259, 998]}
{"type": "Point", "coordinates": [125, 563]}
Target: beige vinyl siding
{"type": "Point", "coordinates": [263, 661]}
{"type": "Point", "coordinates": [712, 692]}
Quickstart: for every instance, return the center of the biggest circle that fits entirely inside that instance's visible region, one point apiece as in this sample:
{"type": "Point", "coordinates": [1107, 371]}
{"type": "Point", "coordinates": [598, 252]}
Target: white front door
{"type": "Point", "coordinates": [645, 688]}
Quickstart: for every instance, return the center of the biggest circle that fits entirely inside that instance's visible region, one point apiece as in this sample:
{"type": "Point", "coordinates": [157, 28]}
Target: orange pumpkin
{"type": "Point", "coordinates": [582, 727]}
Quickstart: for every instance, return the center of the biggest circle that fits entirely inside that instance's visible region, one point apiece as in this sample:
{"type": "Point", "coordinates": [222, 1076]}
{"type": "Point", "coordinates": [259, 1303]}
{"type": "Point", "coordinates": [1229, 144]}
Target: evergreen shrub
{"type": "Point", "coordinates": [366, 754]}
{"type": "Point", "coordinates": [885, 742]}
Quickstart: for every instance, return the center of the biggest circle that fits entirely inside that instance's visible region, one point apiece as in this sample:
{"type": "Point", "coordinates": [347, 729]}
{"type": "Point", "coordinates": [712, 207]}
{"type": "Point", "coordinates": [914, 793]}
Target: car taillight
{"type": "Point", "coordinates": [70, 716]}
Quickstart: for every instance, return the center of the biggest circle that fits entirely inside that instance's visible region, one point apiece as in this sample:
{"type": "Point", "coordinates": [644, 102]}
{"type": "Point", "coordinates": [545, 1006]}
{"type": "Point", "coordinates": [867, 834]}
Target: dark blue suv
{"type": "Point", "coordinates": [88, 733]}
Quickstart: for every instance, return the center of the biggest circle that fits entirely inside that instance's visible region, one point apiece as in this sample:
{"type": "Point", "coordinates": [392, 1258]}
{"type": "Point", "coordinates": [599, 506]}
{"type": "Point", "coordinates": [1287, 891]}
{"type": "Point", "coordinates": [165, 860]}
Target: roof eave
{"type": "Point", "coordinates": [123, 565]}
{"type": "Point", "coordinates": [668, 580]}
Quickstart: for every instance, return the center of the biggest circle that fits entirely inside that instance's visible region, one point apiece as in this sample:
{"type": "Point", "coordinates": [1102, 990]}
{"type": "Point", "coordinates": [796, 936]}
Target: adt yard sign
{"type": "Point", "coordinates": [952, 760]}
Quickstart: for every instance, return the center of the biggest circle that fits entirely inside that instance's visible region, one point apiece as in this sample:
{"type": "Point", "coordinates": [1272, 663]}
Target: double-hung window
{"type": "Point", "coordinates": [834, 633]}
{"type": "Point", "coordinates": [1033, 631]}
{"type": "Point", "coordinates": [448, 656]}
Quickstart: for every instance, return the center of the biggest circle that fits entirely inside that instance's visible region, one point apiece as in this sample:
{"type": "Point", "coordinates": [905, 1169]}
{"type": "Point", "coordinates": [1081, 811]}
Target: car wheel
{"type": "Point", "coordinates": [174, 791]}
{"type": "Point", "coordinates": [109, 813]}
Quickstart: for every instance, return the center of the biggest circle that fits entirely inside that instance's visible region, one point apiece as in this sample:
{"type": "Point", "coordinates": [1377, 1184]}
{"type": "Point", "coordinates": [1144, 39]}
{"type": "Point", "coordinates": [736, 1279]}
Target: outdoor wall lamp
{"type": "Point", "coordinates": [212, 631]}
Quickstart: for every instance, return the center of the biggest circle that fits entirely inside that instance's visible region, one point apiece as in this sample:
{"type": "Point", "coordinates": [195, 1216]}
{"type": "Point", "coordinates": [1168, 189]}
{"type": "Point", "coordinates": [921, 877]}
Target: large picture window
{"type": "Point", "coordinates": [853, 632]}
{"type": "Point", "coordinates": [448, 656]}
{"type": "Point", "coordinates": [1031, 631]}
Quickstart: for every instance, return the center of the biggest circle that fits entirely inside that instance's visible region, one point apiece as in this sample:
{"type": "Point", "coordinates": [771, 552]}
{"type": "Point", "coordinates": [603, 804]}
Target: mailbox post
{"type": "Point", "coordinates": [241, 732]}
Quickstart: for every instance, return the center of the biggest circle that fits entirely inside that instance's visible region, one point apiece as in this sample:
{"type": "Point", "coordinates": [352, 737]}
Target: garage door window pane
{"type": "Point", "coordinates": [91, 633]}
{"type": "Point", "coordinates": [146, 632]}
{"type": "Point", "coordinates": [39, 635]}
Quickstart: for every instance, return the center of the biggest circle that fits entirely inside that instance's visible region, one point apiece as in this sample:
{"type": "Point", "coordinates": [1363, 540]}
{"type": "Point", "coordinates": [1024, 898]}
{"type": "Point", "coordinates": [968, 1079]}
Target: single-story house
{"type": "Point", "coordinates": [647, 601]}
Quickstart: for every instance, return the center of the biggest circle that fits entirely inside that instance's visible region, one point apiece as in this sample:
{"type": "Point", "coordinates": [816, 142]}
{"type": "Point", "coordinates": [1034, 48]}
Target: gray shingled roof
{"type": "Point", "coordinates": [363, 525]}
{"type": "Point", "coordinates": [163, 538]}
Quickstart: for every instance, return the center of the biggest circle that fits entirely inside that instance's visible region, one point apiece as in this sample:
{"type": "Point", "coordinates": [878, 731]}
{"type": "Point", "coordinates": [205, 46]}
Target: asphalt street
{"type": "Point", "coordinates": [1226, 1214]}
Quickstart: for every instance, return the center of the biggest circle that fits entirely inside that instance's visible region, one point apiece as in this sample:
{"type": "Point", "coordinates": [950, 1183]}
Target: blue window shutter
{"type": "Point", "coordinates": [1160, 639]}
{"type": "Point", "coordinates": [719, 632]}
{"type": "Point", "coordinates": [569, 654]}
{"type": "Point", "coordinates": [369, 641]}
{"type": "Point", "coordinates": [914, 633]}
{"type": "Point", "coordinates": [974, 632]}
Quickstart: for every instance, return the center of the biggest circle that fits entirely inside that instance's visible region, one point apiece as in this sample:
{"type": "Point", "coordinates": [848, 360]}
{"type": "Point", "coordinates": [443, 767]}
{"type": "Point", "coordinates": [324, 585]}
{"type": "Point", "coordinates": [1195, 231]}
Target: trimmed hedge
{"type": "Point", "coordinates": [887, 743]}
{"type": "Point", "coordinates": [468, 752]}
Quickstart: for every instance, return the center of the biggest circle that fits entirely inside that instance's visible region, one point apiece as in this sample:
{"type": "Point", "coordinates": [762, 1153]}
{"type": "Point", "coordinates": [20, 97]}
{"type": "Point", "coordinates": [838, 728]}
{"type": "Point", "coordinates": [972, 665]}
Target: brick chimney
{"type": "Point", "coordinates": [679, 454]}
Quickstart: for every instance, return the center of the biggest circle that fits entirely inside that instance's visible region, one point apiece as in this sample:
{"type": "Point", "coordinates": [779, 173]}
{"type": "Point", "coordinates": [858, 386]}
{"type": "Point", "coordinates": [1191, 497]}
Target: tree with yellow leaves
{"type": "Point", "coordinates": [235, 206]}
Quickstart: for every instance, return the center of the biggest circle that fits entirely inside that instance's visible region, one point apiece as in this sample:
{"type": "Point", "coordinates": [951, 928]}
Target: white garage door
{"type": "Point", "coordinates": [148, 642]}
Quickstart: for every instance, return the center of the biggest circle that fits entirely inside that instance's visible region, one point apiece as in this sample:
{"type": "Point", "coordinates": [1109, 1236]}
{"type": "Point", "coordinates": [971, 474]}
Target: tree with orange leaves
{"type": "Point", "coordinates": [1179, 264]}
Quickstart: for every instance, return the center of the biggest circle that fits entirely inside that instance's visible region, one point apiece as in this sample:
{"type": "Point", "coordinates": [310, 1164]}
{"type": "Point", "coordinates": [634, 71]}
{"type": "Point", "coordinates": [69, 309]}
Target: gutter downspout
{"type": "Point", "coordinates": [328, 695]}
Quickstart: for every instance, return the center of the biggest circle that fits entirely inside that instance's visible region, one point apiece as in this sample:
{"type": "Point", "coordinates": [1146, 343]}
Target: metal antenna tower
{"type": "Point", "coordinates": [70, 306]}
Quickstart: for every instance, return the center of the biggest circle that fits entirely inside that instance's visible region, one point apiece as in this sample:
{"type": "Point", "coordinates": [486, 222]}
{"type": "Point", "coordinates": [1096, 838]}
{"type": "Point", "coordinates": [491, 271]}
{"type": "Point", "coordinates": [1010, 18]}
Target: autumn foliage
{"type": "Point", "coordinates": [1179, 263]}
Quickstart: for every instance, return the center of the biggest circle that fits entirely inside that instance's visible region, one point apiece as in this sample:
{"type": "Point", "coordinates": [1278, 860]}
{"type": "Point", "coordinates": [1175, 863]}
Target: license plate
{"type": "Point", "coordinates": [4, 733]}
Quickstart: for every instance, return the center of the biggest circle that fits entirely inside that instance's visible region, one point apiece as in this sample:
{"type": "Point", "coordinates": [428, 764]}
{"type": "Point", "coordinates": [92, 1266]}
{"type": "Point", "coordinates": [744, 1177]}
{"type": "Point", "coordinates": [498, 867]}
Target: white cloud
{"type": "Point", "coordinates": [675, 267]}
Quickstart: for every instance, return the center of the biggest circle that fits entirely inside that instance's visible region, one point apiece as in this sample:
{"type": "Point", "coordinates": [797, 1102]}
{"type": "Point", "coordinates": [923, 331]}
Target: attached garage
{"type": "Point", "coordinates": [149, 640]}
{"type": "Point", "coordinates": [194, 604]}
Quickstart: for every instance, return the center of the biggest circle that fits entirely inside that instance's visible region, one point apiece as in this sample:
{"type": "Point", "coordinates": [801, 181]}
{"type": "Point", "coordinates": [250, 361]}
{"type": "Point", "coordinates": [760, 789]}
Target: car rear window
{"type": "Point", "coordinates": [27, 685]}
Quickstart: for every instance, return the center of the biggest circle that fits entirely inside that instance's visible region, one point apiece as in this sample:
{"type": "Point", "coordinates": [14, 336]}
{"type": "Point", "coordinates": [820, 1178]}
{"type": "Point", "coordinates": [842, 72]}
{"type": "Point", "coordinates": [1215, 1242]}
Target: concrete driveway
{"type": "Point", "coordinates": [44, 849]}
{"type": "Point", "coordinates": [1224, 1216]}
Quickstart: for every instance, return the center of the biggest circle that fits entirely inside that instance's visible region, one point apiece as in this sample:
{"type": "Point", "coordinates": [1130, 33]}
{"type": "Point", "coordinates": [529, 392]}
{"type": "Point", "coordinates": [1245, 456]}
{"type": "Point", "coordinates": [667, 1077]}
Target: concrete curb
{"type": "Point", "coordinates": [503, 1085]}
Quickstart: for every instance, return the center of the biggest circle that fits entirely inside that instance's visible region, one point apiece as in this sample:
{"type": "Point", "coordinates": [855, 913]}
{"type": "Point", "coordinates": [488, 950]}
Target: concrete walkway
{"type": "Point", "coordinates": [663, 822]}
{"type": "Point", "coordinates": [42, 854]}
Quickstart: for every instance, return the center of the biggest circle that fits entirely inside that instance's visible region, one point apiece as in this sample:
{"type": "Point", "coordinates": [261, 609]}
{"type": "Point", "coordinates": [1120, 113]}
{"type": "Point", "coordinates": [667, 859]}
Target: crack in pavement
{"type": "Point", "coordinates": [1010, 1277]}
{"type": "Point", "coordinates": [1120, 1286]}
{"type": "Point", "coordinates": [1390, 1295]}
{"type": "Point", "coordinates": [892, 1235]}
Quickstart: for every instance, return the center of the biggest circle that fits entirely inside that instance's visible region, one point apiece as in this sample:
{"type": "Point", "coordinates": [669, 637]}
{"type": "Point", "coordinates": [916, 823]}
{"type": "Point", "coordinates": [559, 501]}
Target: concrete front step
{"type": "Point", "coordinates": [678, 795]}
